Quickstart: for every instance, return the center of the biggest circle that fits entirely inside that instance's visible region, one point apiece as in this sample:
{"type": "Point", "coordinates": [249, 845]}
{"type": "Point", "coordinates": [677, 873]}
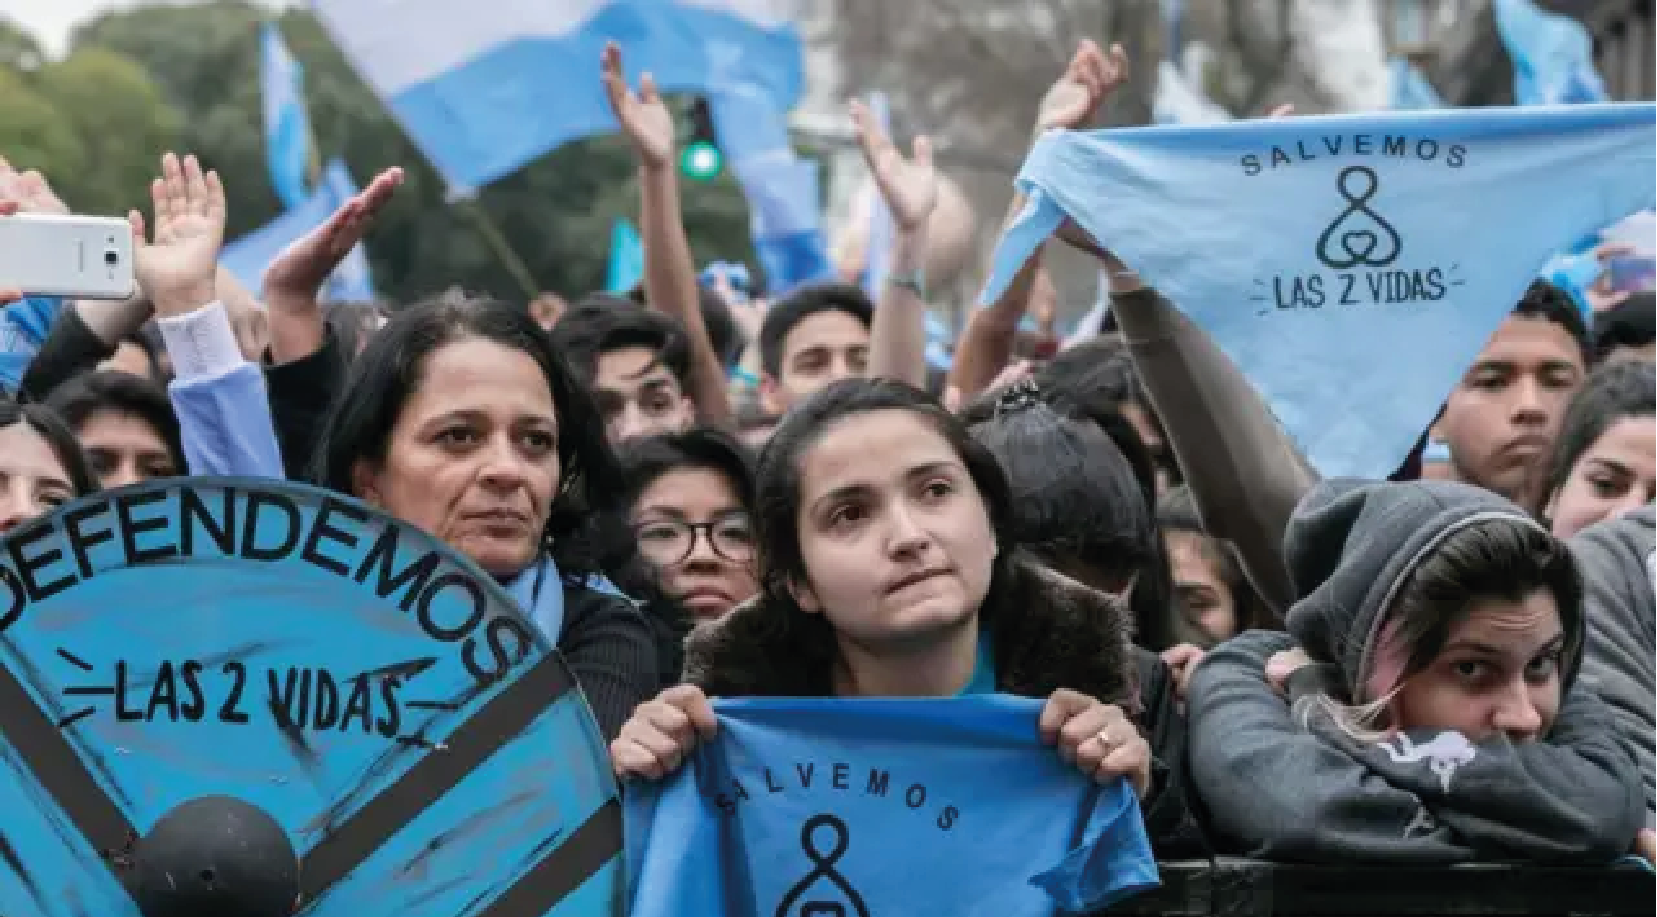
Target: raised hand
{"type": "Point", "coordinates": [1097, 739]}
{"type": "Point", "coordinates": [30, 190]}
{"type": "Point", "coordinates": [1089, 79]}
{"type": "Point", "coordinates": [299, 272]}
{"type": "Point", "coordinates": [1182, 661]}
{"type": "Point", "coordinates": [661, 732]}
{"type": "Point", "coordinates": [909, 186]}
{"type": "Point", "coordinates": [177, 268]}
{"type": "Point", "coordinates": [643, 115]}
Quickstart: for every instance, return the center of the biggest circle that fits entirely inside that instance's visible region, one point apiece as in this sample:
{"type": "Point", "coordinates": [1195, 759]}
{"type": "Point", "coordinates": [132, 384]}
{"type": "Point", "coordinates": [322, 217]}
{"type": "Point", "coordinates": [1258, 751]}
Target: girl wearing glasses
{"type": "Point", "coordinates": [691, 497]}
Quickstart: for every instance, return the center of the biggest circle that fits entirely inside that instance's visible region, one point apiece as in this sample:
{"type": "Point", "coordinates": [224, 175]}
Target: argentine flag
{"type": "Point", "coordinates": [483, 88]}
{"type": "Point", "coordinates": [626, 258]}
{"type": "Point", "coordinates": [247, 257]}
{"type": "Point", "coordinates": [1553, 56]}
{"type": "Point", "coordinates": [1410, 89]}
{"type": "Point", "coordinates": [287, 129]}
{"type": "Point", "coordinates": [351, 281]}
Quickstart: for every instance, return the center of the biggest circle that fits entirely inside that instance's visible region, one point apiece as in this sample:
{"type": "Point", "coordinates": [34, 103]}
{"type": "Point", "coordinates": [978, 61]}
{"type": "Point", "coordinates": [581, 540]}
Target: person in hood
{"type": "Point", "coordinates": [888, 569]}
{"type": "Point", "coordinates": [1078, 507]}
{"type": "Point", "coordinates": [1423, 706]}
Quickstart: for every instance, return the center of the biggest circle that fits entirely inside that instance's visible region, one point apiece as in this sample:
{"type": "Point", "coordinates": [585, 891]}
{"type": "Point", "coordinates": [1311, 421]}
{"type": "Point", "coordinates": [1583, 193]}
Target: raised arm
{"type": "Point", "coordinates": [1244, 471]}
{"type": "Point", "coordinates": [909, 188]}
{"type": "Point", "coordinates": [1070, 103]}
{"type": "Point", "coordinates": [223, 411]}
{"type": "Point", "coordinates": [669, 272]}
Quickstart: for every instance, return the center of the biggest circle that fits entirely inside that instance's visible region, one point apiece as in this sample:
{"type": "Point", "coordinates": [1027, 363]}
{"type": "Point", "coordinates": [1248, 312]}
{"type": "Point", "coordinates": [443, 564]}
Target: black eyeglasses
{"type": "Point", "coordinates": [665, 542]}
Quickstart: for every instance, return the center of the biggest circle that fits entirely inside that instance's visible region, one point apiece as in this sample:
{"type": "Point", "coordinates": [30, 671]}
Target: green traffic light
{"type": "Point", "coordinates": [701, 161]}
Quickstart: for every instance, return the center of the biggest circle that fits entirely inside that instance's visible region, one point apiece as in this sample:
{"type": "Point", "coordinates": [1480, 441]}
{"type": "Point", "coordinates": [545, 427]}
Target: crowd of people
{"type": "Point", "coordinates": [1452, 665]}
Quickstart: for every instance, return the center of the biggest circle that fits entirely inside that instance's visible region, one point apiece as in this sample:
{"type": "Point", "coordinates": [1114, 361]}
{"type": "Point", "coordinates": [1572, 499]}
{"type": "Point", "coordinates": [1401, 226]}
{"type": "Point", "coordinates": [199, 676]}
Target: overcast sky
{"type": "Point", "coordinates": [52, 20]}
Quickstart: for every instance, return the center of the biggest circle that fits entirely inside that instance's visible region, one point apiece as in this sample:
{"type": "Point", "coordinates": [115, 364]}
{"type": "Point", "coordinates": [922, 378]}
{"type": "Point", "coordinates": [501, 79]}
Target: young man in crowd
{"type": "Point", "coordinates": [816, 335]}
{"type": "Point", "coordinates": [1502, 417]}
{"type": "Point", "coordinates": [636, 362]}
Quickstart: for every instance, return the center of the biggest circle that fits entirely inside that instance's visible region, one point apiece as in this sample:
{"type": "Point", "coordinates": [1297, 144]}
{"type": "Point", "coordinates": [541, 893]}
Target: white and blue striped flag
{"type": "Point", "coordinates": [1410, 89]}
{"type": "Point", "coordinates": [878, 250]}
{"type": "Point", "coordinates": [287, 129]}
{"type": "Point", "coordinates": [483, 88]}
{"type": "Point", "coordinates": [783, 190]}
{"type": "Point", "coordinates": [352, 281]}
{"type": "Point", "coordinates": [247, 257]}
{"type": "Point", "coordinates": [1553, 56]}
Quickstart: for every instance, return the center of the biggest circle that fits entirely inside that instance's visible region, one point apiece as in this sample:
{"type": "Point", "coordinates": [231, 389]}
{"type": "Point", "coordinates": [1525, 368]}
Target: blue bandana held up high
{"type": "Point", "coordinates": [1351, 265]}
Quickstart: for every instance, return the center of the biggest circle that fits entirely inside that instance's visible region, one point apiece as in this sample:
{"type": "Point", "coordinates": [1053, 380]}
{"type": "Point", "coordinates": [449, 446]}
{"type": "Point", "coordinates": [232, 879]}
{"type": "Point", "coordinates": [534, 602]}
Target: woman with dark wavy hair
{"type": "Point", "coordinates": [888, 568]}
{"type": "Point", "coordinates": [460, 419]}
{"type": "Point", "coordinates": [1424, 706]}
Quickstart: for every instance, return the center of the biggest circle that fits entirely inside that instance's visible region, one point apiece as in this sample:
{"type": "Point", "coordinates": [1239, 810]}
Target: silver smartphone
{"type": "Point", "coordinates": [76, 257]}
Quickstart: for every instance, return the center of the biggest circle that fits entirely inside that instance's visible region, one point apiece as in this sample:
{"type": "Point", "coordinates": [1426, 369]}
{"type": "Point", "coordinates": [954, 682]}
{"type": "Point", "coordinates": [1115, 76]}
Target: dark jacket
{"type": "Point", "coordinates": [611, 651]}
{"type": "Point", "coordinates": [301, 392]}
{"type": "Point", "coordinates": [1617, 571]}
{"type": "Point", "coordinates": [70, 348]}
{"type": "Point", "coordinates": [1284, 781]}
{"type": "Point", "coordinates": [1050, 632]}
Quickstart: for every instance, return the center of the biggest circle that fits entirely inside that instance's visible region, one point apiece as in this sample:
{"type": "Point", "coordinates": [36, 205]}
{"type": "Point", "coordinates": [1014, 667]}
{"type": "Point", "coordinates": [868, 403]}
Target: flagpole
{"type": "Point", "coordinates": [496, 240]}
{"type": "Point", "coordinates": [492, 236]}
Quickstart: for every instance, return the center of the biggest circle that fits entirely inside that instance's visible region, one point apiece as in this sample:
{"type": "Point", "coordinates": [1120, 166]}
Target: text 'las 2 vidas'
{"type": "Point", "coordinates": [1359, 258]}
{"type": "Point", "coordinates": [288, 698]}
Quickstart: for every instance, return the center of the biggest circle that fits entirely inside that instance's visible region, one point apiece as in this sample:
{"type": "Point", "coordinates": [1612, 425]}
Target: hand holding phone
{"type": "Point", "coordinates": [177, 267]}
{"type": "Point", "coordinates": [75, 257]}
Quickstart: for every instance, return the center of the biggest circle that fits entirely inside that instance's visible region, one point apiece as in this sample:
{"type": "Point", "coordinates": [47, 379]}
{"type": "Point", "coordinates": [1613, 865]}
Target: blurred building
{"type": "Point", "coordinates": [1624, 43]}
{"type": "Point", "coordinates": [1470, 67]}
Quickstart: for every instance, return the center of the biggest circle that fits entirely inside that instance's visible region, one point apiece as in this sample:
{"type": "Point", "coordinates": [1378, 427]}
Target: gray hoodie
{"type": "Point", "coordinates": [1278, 789]}
{"type": "Point", "coordinates": [1616, 562]}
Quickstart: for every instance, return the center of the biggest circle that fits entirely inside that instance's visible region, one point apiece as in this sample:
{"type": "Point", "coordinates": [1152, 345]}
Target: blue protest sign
{"type": "Point", "coordinates": [422, 746]}
{"type": "Point", "coordinates": [863, 808]}
{"type": "Point", "coordinates": [1351, 265]}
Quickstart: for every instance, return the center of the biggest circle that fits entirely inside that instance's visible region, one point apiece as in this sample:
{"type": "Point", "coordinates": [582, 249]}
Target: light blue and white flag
{"type": "Point", "coordinates": [626, 258]}
{"type": "Point", "coordinates": [352, 281]}
{"type": "Point", "coordinates": [1178, 98]}
{"type": "Point", "coordinates": [878, 250]}
{"type": "Point", "coordinates": [287, 129]}
{"type": "Point", "coordinates": [1574, 273]}
{"type": "Point", "coordinates": [247, 257]}
{"type": "Point", "coordinates": [783, 200]}
{"type": "Point", "coordinates": [783, 190]}
{"type": "Point", "coordinates": [866, 808]}
{"type": "Point", "coordinates": [1173, 17]}
{"type": "Point", "coordinates": [1410, 89]}
{"type": "Point", "coordinates": [483, 88]}
{"type": "Point", "coordinates": [1553, 55]}
{"type": "Point", "coordinates": [1352, 265]}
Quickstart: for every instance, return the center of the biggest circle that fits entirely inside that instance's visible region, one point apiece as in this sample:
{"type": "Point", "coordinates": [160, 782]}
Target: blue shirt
{"type": "Point", "coordinates": [983, 673]}
{"type": "Point", "coordinates": [871, 806]}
